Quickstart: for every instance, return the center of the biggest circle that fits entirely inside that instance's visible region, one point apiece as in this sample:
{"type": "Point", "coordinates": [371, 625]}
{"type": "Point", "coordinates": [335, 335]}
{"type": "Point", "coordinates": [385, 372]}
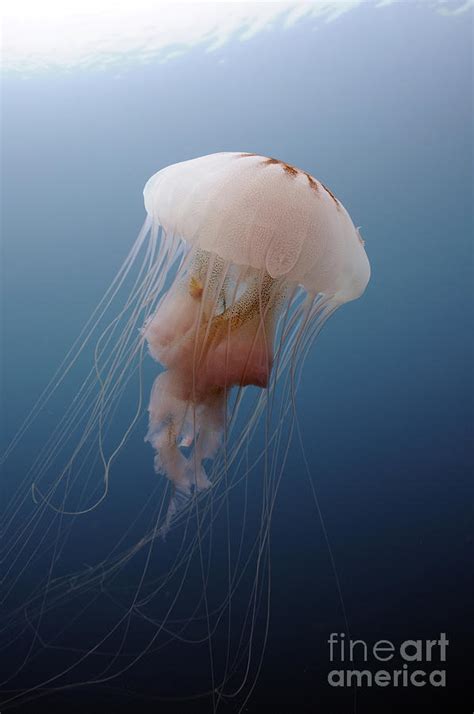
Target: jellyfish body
{"type": "Point", "coordinates": [255, 230]}
{"type": "Point", "coordinates": [240, 262]}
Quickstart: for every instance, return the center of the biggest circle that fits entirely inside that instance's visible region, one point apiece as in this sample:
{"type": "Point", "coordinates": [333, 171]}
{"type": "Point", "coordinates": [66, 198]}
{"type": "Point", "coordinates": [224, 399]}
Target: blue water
{"type": "Point", "coordinates": [378, 105]}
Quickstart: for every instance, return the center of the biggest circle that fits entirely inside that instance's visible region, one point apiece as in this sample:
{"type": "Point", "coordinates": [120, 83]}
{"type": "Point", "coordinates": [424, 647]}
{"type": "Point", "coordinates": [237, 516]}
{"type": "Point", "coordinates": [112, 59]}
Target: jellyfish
{"type": "Point", "coordinates": [254, 230]}
{"type": "Point", "coordinates": [241, 260]}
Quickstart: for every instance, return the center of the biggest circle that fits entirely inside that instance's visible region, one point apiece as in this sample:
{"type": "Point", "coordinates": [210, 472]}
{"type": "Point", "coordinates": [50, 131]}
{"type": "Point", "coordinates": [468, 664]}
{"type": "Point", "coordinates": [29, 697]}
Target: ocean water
{"type": "Point", "coordinates": [377, 103]}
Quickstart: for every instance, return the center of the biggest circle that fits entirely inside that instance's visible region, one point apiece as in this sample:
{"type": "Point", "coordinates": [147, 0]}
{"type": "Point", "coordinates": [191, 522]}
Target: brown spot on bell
{"type": "Point", "coordinates": [287, 168]}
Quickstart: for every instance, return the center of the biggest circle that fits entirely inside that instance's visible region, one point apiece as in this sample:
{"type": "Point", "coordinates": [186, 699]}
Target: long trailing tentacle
{"type": "Point", "coordinates": [235, 311]}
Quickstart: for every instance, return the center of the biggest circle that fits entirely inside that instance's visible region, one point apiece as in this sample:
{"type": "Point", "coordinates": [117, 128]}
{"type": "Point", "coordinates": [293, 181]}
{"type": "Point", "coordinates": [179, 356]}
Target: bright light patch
{"type": "Point", "coordinates": [39, 34]}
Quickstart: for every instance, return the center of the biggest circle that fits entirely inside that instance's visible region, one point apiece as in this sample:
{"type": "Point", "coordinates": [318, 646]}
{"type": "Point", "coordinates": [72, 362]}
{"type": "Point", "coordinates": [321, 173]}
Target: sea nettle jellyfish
{"type": "Point", "coordinates": [253, 232]}
{"type": "Point", "coordinates": [241, 260]}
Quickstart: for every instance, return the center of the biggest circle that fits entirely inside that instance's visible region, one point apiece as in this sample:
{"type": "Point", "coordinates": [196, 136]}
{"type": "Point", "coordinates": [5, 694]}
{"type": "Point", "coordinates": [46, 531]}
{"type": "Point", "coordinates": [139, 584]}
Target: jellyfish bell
{"type": "Point", "coordinates": [254, 229]}
{"type": "Point", "coordinates": [262, 213]}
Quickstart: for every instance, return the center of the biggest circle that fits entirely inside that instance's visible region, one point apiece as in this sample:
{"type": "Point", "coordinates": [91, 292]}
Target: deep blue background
{"type": "Point", "coordinates": [378, 104]}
